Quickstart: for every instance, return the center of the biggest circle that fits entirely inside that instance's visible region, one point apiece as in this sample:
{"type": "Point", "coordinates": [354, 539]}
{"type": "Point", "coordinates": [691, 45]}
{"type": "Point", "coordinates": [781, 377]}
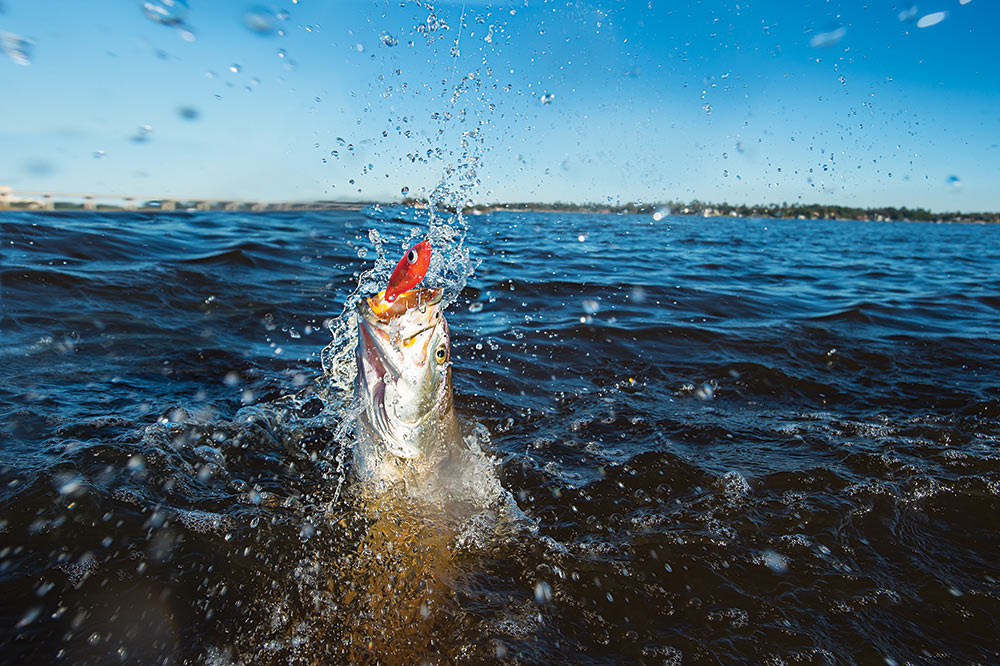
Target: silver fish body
{"type": "Point", "coordinates": [406, 425]}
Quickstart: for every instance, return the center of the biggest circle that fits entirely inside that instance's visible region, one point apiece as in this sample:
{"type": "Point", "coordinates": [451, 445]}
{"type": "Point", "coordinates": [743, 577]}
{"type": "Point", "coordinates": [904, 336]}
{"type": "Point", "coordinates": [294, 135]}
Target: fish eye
{"type": "Point", "coordinates": [441, 354]}
{"type": "Point", "coordinates": [411, 256]}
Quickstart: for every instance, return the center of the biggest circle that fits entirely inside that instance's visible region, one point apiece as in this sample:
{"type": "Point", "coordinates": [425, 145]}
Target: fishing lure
{"type": "Point", "coordinates": [410, 270]}
{"type": "Point", "coordinates": [408, 273]}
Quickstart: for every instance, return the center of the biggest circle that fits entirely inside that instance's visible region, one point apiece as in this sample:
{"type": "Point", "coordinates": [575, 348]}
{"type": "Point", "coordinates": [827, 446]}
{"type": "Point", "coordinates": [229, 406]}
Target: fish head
{"type": "Point", "coordinates": [404, 372]}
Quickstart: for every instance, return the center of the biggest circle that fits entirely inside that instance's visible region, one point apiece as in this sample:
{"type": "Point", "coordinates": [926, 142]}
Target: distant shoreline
{"type": "Point", "coordinates": [775, 211]}
{"type": "Point", "coordinates": [656, 210]}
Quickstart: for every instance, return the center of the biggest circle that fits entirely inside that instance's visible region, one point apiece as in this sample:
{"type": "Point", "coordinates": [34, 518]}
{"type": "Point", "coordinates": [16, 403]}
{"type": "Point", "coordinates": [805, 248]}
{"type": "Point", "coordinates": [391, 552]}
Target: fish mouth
{"type": "Point", "coordinates": [377, 308]}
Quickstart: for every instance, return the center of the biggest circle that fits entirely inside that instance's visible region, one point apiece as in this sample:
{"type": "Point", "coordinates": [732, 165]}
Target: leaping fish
{"type": "Point", "coordinates": [407, 425]}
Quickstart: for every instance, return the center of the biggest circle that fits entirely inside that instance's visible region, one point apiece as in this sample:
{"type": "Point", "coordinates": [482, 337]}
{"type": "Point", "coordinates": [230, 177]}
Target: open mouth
{"type": "Point", "coordinates": [408, 300]}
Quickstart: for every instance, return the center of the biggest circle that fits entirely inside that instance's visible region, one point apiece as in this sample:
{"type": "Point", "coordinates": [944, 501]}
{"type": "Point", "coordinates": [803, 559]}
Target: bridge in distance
{"type": "Point", "coordinates": [32, 200]}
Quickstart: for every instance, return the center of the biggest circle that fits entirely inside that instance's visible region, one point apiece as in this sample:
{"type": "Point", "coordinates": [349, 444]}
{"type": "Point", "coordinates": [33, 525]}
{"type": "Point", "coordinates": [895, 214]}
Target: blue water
{"type": "Point", "coordinates": [733, 441]}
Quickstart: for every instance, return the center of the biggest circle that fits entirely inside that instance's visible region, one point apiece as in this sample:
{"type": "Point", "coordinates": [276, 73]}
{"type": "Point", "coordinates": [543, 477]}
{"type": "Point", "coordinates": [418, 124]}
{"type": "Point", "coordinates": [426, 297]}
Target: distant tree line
{"type": "Point", "coordinates": [774, 210]}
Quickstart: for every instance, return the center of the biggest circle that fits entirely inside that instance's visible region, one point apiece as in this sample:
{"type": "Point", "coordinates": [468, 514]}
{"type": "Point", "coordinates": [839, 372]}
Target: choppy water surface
{"type": "Point", "coordinates": [732, 441]}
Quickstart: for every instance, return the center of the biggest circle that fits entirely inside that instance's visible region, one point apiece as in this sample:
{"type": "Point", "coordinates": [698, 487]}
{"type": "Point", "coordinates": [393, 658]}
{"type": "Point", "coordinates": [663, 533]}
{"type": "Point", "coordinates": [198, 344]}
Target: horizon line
{"type": "Point", "coordinates": [9, 196]}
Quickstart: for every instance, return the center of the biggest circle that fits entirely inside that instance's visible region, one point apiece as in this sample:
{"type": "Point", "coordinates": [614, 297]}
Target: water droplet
{"type": "Point", "coordinates": [705, 392]}
{"type": "Point", "coordinates": [831, 38]}
{"type": "Point", "coordinates": [16, 47]}
{"type": "Point", "coordinates": [590, 306]}
{"type": "Point", "coordinates": [29, 617]}
{"type": "Point", "coordinates": [547, 98]}
{"type": "Point", "coordinates": [388, 39]}
{"type": "Point", "coordinates": [404, 191]}
{"type": "Point", "coordinates": [543, 592]}
{"type": "Point", "coordinates": [954, 183]}
{"type": "Point", "coordinates": [142, 135]}
{"type": "Point", "coordinates": [582, 238]}
{"type": "Point", "coordinates": [660, 213]}
{"type": "Point", "coordinates": [69, 484]}
{"type": "Point", "coordinates": [928, 20]}
{"type": "Point", "coordinates": [282, 53]}
{"type": "Point", "coordinates": [638, 295]}
{"type": "Point", "coordinates": [98, 154]}
{"type": "Point", "coordinates": [775, 562]}
{"type": "Point", "coordinates": [166, 12]}
{"type": "Point", "coordinates": [188, 113]}
{"type": "Point", "coordinates": [707, 108]}
{"type": "Point", "coordinates": [908, 13]}
{"type": "Point", "coordinates": [475, 307]}
{"type": "Point", "coordinates": [260, 20]}
{"type": "Point", "coordinates": [307, 531]}
{"type": "Point", "coordinates": [234, 68]}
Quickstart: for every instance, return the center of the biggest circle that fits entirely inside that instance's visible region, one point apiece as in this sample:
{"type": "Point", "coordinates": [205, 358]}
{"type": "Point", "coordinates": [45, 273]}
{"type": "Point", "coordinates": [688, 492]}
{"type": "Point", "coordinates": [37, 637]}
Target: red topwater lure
{"type": "Point", "coordinates": [410, 270]}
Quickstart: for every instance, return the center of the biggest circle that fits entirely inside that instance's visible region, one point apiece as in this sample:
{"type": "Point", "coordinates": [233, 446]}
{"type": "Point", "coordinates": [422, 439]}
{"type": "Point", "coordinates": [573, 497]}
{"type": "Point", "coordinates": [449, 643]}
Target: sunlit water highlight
{"type": "Point", "coordinates": [733, 441]}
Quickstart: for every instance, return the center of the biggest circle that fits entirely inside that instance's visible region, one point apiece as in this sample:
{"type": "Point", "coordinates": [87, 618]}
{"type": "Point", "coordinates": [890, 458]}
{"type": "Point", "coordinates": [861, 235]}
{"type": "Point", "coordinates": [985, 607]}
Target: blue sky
{"type": "Point", "coordinates": [543, 101]}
